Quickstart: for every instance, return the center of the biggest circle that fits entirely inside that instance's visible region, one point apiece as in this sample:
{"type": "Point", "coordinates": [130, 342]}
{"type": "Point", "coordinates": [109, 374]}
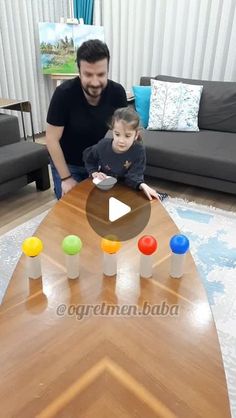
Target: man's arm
{"type": "Point", "coordinates": [53, 135]}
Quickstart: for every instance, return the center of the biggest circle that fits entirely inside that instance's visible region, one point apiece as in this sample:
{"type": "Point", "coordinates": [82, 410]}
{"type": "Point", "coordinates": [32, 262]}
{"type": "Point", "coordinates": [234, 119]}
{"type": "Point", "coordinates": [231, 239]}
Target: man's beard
{"type": "Point", "coordinates": [96, 91]}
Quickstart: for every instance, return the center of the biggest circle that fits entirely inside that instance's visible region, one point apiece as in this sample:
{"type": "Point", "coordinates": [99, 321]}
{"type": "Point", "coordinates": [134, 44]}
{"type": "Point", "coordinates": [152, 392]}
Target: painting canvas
{"type": "Point", "coordinates": [59, 42]}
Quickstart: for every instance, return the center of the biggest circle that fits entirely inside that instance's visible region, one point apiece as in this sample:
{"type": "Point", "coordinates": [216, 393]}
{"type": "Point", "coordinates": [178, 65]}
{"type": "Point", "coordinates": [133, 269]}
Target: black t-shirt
{"type": "Point", "coordinates": [84, 124]}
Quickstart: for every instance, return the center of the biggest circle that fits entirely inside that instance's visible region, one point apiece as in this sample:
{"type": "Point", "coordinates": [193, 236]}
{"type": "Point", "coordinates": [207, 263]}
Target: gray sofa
{"type": "Point", "coordinates": [21, 162]}
{"type": "Point", "coordinates": [206, 158]}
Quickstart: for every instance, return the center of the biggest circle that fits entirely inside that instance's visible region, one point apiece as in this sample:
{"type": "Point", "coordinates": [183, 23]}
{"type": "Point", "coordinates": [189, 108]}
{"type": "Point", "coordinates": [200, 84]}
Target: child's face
{"type": "Point", "coordinates": [123, 136]}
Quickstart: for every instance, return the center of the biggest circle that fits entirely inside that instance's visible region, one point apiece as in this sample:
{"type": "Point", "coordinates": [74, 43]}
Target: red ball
{"type": "Point", "coordinates": [147, 244]}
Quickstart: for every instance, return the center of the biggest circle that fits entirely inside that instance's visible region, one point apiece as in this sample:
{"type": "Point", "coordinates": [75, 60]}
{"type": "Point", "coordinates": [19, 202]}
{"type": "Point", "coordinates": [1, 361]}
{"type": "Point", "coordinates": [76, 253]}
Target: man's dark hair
{"type": "Point", "coordinates": [92, 51]}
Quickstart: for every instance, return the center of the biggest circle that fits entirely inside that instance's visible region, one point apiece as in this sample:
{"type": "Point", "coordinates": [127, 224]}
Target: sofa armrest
{"type": "Point", "coordinates": [9, 129]}
{"type": "Point", "coordinates": [146, 81]}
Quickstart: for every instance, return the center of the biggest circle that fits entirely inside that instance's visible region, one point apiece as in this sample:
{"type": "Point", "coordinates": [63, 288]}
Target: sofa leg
{"type": "Point", "coordinates": [42, 179]}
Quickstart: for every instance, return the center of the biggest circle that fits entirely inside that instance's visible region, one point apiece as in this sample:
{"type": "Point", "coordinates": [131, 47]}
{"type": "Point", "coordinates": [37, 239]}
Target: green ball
{"type": "Point", "coordinates": [71, 244]}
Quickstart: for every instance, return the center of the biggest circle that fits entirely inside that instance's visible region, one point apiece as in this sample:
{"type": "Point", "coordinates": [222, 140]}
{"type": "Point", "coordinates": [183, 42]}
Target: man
{"type": "Point", "coordinates": [79, 113]}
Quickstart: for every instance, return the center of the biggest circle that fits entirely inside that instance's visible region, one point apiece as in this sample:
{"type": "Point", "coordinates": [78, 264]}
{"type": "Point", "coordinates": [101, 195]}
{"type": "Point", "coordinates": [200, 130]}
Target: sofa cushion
{"type": "Point", "coordinates": [21, 158]}
{"type": "Point", "coordinates": [218, 103]}
{"type": "Point", "coordinates": [205, 153]}
{"type": "Point", "coordinates": [174, 106]}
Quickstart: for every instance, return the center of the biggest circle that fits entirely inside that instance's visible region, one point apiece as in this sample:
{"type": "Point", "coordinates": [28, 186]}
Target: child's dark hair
{"type": "Point", "coordinates": [92, 51]}
{"type": "Point", "coordinates": [129, 116]}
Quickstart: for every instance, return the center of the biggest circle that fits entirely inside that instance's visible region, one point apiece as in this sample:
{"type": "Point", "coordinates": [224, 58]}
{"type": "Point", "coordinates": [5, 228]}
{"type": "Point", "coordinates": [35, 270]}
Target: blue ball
{"type": "Point", "coordinates": [179, 244]}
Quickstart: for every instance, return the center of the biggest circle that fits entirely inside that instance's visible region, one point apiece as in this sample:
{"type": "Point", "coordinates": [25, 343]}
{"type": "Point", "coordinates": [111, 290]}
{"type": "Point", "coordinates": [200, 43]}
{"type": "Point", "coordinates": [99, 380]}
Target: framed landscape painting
{"type": "Point", "coordinates": [59, 42]}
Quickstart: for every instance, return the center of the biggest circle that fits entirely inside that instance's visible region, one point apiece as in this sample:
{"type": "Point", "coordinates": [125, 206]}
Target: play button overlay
{"type": "Point", "coordinates": [121, 211]}
{"type": "Point", "coordinates": [117, 209]}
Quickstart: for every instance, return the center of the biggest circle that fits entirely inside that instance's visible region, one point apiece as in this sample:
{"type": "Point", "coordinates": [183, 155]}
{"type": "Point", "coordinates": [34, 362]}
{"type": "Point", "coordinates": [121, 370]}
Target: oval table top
{"type": "Point", "coordinates": [104, 346]}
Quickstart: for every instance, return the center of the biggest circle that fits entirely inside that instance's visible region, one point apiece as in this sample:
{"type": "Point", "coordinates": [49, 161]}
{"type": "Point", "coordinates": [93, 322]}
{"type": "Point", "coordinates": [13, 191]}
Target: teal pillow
{"type": "Point", "coordinates": [142, 95]}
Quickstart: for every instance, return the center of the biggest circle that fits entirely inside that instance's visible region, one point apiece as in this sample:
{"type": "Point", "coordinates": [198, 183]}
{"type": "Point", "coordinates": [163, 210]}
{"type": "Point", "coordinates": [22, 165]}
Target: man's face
{"type": "Point", "coordinates": [93, 77]}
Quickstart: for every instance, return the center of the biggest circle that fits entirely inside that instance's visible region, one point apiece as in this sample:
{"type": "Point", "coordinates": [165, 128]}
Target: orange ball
{"type": "Point", "coordinates": [110, 245]}
{"type": "Point", "coordinates": [32, 246]}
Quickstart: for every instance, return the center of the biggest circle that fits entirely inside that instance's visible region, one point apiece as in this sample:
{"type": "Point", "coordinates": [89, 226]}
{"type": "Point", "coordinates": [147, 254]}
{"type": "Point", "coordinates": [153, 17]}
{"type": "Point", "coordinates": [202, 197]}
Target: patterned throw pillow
{"type": "Point", "coordinates": [174, 106]}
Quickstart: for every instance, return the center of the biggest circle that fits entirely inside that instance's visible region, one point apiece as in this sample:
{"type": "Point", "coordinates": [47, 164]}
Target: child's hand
{"type": "Point", "coordinates": [99, 175]}
{"type": "Point", "coordinates": [149, 192]}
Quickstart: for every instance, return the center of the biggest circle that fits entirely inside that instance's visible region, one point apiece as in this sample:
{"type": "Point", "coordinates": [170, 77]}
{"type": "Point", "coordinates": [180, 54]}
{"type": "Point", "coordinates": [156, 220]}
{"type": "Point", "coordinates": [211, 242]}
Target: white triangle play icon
{"type": "Point", "coordinates": [117, 209]}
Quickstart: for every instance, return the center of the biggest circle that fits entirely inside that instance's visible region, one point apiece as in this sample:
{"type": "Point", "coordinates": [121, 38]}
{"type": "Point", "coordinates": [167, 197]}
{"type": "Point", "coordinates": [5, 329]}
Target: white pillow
{"type": "Point", "coordinates": [174, 106]}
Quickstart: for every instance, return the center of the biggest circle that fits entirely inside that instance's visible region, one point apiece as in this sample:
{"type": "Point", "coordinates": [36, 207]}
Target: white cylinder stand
{"type": "Point", "coordinates": [177, 265]}
{"type": "Point", "coordinates": [72, 266]}
{"type": "Point", "coordinates": [146, 266]}
{"type": "Point", "coordinates": [109, 264]}
{"type": "Point", "coordinates": [34, 270]}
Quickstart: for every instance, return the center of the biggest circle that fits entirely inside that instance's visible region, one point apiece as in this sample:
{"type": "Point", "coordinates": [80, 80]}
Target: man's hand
{"type": "Point", "coordinates": [99, 175]}
{"type": "Point", "coordinates": [149, 192]}
{"type": "Point", "coordinates": [67, 185]}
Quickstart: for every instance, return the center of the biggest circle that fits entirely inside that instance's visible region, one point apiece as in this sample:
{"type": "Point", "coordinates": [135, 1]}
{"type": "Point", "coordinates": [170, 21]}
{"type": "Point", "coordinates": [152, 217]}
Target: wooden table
{"type": "Point", "coordinates": [114, 366]}
{"type": "Point", "coordinates": [22, 106]}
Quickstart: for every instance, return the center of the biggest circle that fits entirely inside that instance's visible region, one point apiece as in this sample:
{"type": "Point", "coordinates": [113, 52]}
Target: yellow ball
{"type": "Point", "coordinates": [110, 246]}
{"type": "Point", "coordinates": [32, 246]}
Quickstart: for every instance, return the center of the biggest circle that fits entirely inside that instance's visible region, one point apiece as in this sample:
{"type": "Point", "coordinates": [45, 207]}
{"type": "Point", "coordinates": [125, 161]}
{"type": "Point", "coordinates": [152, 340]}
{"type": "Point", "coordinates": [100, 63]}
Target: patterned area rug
{"type": "Point", "coordinates": [10, 249]}
{"type": "Point", "coordinates": [212, 235]}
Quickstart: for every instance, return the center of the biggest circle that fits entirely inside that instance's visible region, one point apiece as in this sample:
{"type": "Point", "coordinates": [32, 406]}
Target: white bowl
{"type": "Point", "coordinates": [105, 184]}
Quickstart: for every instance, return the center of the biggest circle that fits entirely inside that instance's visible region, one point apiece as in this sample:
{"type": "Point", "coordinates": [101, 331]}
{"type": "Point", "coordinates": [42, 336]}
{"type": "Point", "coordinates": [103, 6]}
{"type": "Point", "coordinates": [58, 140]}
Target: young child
{"type": "Point", "coordinates": [123, 156]}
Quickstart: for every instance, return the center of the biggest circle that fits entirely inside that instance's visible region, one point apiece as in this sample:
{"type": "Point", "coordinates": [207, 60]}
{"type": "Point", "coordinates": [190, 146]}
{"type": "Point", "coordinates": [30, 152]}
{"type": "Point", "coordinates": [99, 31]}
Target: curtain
{"type": "Point", "coordinates": [20, 69]}
{"type": "Point", "coordinates": [184, 38]}
{"type": "Point", "coordinates": [84, 9]}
